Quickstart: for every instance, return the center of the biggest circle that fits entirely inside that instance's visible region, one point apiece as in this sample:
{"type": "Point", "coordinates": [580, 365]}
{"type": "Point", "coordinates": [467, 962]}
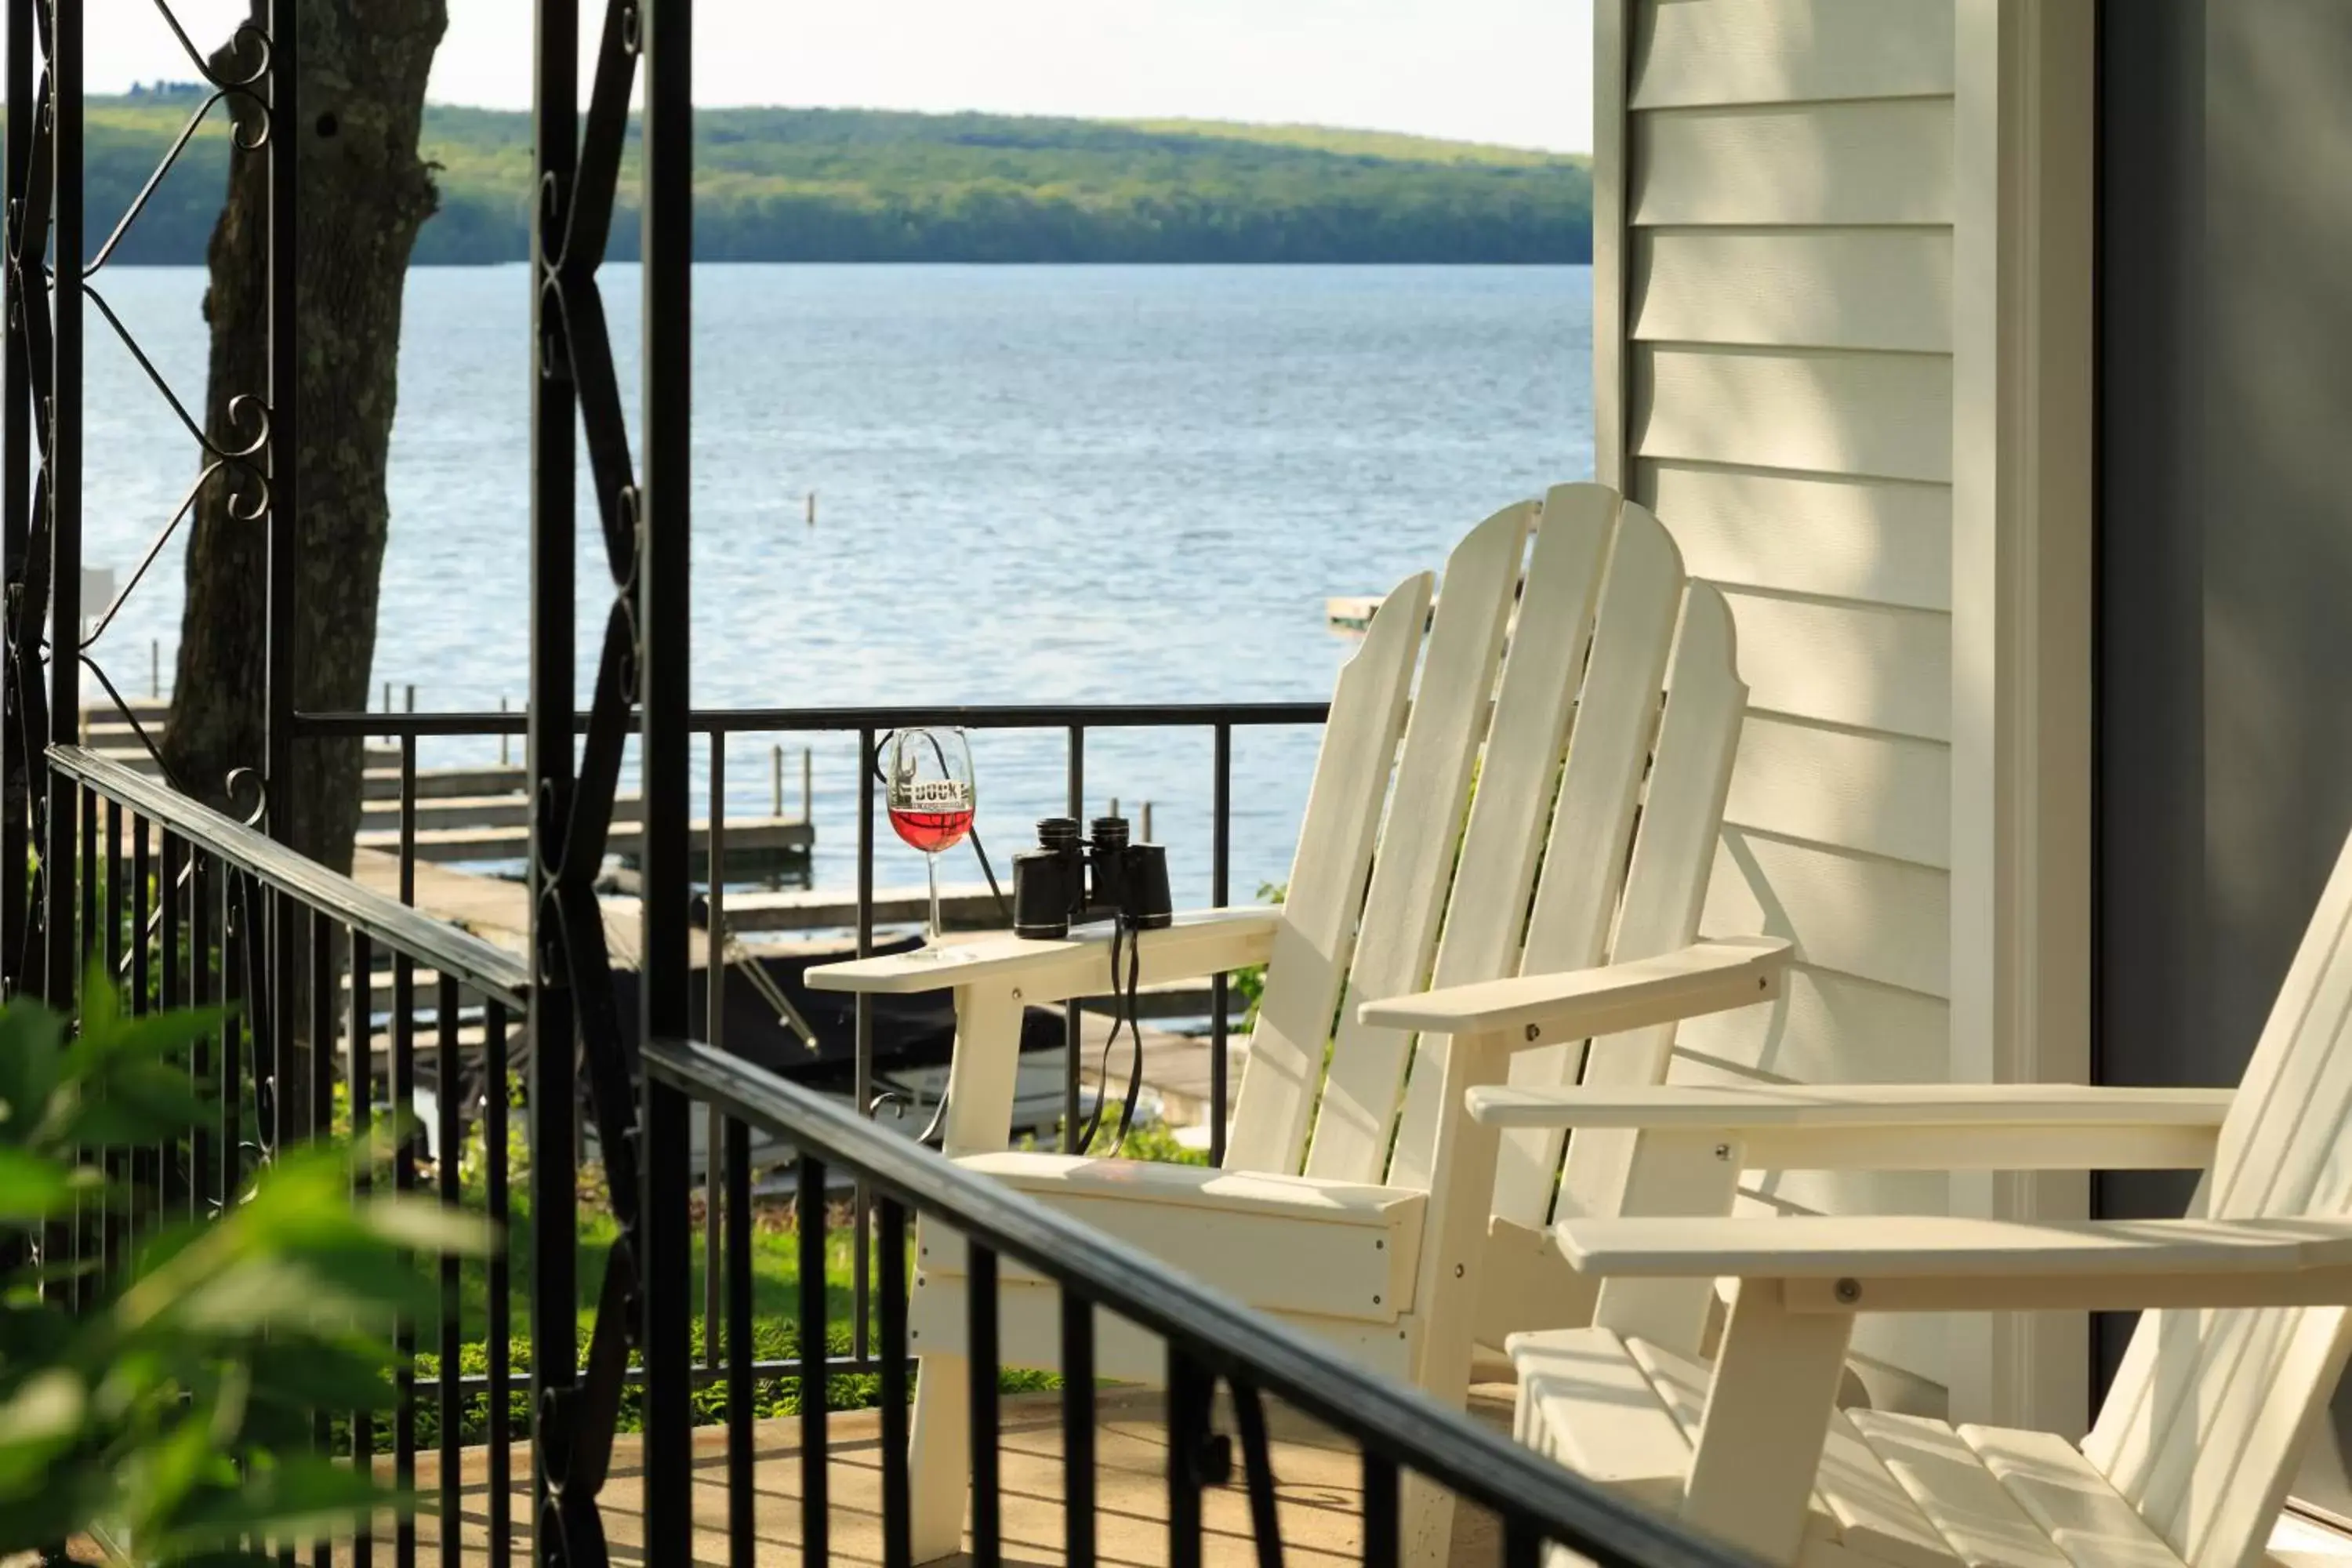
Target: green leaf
{"type": "Point", "coordinates": [29, 1034]}
{"type": "Point", "coordinates": [322, 1373]}
{"type": "Point", "coordinates": [33, 1186]}
{"type": "Point", "coordinates": [295, 1496]}
{"type": "Point", "coordinates": [43, 1418]}
{"type": "Point", "coordinates": [151, 1036]}
{"type": "Point", "coordinates": [422, 1225]}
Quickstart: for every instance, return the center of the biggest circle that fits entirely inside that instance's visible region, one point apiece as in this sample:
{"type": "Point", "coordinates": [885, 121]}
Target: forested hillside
{"type": "Point", "coordinates": [784, 184]}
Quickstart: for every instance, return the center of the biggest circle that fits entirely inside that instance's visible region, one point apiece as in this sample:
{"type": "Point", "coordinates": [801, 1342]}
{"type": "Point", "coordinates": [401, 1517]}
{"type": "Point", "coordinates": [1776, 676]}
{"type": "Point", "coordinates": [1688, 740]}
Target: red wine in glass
{"type": "Point", "coordinates": [932, 832]}
{"type": "Point", "coordinates": [930, 802]}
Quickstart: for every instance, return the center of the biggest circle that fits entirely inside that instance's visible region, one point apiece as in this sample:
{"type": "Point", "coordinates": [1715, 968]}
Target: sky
{"type": "Point", "coordinates": [1518, 72]}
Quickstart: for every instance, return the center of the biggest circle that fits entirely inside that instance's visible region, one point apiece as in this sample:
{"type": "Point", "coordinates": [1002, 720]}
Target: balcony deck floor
{"type": "Point", "coordinates": [1317, 1475]}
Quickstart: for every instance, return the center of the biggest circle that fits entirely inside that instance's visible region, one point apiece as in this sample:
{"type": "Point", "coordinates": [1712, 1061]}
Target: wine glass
{"type": "Point", "coordinates": [930, 802]}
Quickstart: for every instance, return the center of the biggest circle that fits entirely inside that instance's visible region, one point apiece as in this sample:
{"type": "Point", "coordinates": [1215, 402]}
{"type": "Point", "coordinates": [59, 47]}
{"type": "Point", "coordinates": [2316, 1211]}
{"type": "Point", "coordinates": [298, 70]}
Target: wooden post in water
{"type": "Point", "coordinates": [808, 785]}
{"type": "Point", "coordinates": [504, 740]}
{"type": "Point", "coordinates": [776, 780]}
{"type": "Point", "coordinates": [811, 509]}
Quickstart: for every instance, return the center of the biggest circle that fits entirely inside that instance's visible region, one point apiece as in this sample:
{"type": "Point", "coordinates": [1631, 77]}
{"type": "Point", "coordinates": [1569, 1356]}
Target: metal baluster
{"type": "Point", "coordinates": [227, 988]}
{"type": "Point", "coordinates": [497, 1331]}
{"type": "Point", "coordinates": [113, 874]}
{"type": "Point", "coordinates": [1188, 1390]}
{"type": "Point", "coordinates": [1522, 1542]}
{"type": "Point", "coordinates": [714, 1013]}
{"type": "Point", "coordinates": [170, 1170]}
{"type": "Point", "coordinates": [1220, 848]}
{"type": "Point", "coordinates": [201, 983]}
{"type": "Point", "coordinates": [404, 1152]}
{"type": "Point", "coordinates": [1384, 1535]}
{"type": "Point", "coordinates": [86, 1227]}
{"type": "Point", "coordinates": [743, 1484]}
{"type": "Point", "coordinates": [1257, 1470]}
{"type": "Point", "coordinates": [319, 1113]}
{"type": "Point", "coordinates": [86, 818]}
{"type": "Point", "coordinates": [449, 1132]}
{"type": "Point", "coordinates": [666, 635]}
{"type": "Point", "coordinates": [114, 1220]}
{"type": "Point", "coordinates": [808, 1201]}
{"type": "Point", "coordinates": [987, 1503]}
{"type": "Point", "coordinates": [146, 1165]}
{"type": "Point", "coordinates": [1073, 1013]}
{"type": "Point", "coordinates": [1077, 1429]}
{"type": "Point", "coordinates": [861, 1304]}
{"type": "Point", "coordinates": [361, 1078]}
{"type": "Point", "coordinates": [897, 1527]}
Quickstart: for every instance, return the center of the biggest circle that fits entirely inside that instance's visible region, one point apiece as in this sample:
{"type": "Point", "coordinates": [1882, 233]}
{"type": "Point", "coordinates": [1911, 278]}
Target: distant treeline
{"type": "Point", "coordinates": [779, 185]}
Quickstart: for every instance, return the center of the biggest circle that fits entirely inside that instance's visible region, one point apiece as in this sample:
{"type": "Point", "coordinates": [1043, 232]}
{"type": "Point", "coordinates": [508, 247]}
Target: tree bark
{"type": "Point", "coordinates": [362, 192]}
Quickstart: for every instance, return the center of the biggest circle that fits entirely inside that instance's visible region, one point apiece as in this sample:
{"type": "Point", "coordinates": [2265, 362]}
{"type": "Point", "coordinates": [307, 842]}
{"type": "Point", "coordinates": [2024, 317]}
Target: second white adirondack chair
{"type": "Point", "coordinates": [1555, 900]}
{"type": "Point", "coordinates": [2246, 1311]}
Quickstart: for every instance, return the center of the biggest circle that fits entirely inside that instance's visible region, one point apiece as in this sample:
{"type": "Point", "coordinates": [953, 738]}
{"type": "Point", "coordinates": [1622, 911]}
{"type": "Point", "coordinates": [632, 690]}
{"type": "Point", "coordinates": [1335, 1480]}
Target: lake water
{"type": "Point", "coordinates": [1035, 484]}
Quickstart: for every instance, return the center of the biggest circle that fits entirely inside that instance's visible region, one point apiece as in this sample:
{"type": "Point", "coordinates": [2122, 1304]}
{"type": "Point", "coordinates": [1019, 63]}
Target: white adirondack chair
{"type": "Point", "coordinates": [2243, 1333]}
{"type": "Point", "coordinates": [1532, 905]}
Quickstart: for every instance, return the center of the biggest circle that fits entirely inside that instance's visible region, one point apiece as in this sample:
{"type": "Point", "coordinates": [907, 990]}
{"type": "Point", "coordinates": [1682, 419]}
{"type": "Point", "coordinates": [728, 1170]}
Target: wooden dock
{"type": "Point", "coordinates": [474, 815]}
{"type": "Point", "coordinates": [756, 845]}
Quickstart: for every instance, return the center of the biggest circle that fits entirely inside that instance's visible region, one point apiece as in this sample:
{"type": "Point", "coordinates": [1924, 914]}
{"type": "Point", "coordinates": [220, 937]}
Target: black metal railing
{"type": "Point", "coordinates": [1209, 1337]}
{"type": "Point", "coordinates": [184, 905]}
{"type": "Point", "coordinates": [1071, 723]}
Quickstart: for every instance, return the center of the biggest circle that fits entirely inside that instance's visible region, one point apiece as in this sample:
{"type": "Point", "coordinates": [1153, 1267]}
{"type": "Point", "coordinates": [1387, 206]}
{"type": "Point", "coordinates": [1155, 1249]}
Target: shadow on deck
{"type": "Point", "coordinates": [1317, 1478]}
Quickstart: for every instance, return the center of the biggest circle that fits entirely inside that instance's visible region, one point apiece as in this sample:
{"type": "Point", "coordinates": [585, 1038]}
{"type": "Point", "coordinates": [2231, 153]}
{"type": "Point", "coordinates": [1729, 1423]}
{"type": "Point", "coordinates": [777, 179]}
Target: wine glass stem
{"type": "Point", "coordinates": [931, 867]}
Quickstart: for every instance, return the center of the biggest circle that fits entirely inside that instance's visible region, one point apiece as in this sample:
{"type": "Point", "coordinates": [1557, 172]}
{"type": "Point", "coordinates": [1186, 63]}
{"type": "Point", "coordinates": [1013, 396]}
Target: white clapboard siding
{"type": "Point", "coordinates": [1883, 920]}
{"type": "Point", "coordinates": [1783, 338]}
{"type": "Point", "coordinates": [1885, 541]}
{"type": "Point", "coordinates": [1872, 667]}
{"type": "Point", "coordinates": [1828, 1027]}
{"type": "Point", "coordinates": [1885, 416]}
{"type": "Point", "coordinates": [1781, 51]}
{"type": "Point", "coordinates": [1880, 162]}
{"type": "Point", "coordinates": [1830, 288]}
{"type": "Point", "coordinates": [1856, 789]}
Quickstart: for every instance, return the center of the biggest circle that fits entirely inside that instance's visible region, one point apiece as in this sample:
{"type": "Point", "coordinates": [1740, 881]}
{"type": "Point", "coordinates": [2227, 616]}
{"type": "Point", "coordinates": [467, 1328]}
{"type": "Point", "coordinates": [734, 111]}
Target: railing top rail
{"type": "Point", "coordinates": [779, 721]}
{"type": "Point", "coordinates": [1228, 1339]}
{"type": "Point", "coordinates": [496, 973]}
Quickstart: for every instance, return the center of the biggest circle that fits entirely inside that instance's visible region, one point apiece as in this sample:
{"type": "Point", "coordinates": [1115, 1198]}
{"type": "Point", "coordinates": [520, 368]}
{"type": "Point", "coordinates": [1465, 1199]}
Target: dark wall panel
{"type": "Point", "coordinates": [2225, 528]}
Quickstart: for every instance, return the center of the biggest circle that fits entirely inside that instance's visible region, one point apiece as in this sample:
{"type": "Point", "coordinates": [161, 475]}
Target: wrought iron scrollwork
{"type": "Point", "coordinates": [578, 190]}
{"type": "Point", "coordinates": [41, 615]}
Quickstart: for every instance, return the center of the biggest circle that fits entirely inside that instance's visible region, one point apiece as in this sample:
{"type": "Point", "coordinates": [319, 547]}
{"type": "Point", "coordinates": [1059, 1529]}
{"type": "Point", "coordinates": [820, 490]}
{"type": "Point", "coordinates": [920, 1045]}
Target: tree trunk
{"type": "Point", "coordinates": [362, 192]}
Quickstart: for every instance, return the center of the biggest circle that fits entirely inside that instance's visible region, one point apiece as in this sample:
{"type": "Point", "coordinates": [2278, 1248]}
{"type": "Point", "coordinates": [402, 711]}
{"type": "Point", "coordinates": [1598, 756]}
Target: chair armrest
{"type": "Point", "coordinates": [1575, 1004]}
{"type": "Point", "coordinates": [1201, 942]}
{"type": "Point", "coordinates": [1949, 1263]}
{"type": "Point", "coordinates": [1896, 1127]}
{"type": "Point", "coordinates": [1775, 1107]}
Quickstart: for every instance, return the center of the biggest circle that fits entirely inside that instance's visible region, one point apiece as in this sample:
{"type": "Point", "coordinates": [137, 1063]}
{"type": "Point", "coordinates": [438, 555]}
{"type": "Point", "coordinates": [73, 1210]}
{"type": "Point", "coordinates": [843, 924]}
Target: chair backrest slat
{"type": "Point", "coordinates": [1312, 947]}
{"type": "Point", "coordinates": [1665, 885]}
{"type": "Point", "coordinates": [1592, 832]}
{"type": "Point", "coordinates": [1534, 868]}
{"type": "Point", "coordinates": [1414, 867]}
{"type": "Point", "coordinates": [1503, 845]}
{"type": "Point", "coordinates": [2207, 1407]}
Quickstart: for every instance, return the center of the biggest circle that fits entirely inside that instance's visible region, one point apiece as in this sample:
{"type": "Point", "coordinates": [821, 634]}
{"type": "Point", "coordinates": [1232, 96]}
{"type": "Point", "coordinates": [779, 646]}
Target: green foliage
{"type": "Point", "coordinates": [172, 1407]}
{"type": "Point", "coordinates": [786, 185]}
